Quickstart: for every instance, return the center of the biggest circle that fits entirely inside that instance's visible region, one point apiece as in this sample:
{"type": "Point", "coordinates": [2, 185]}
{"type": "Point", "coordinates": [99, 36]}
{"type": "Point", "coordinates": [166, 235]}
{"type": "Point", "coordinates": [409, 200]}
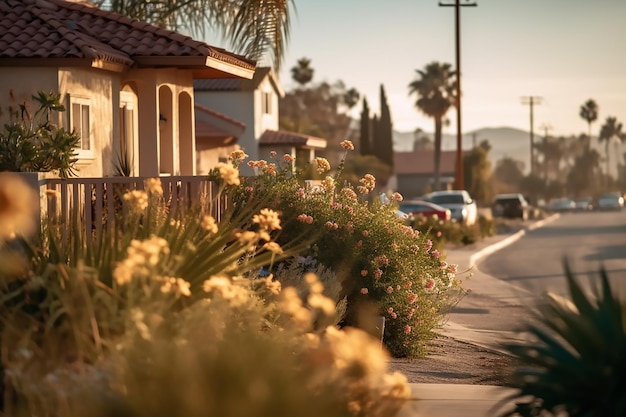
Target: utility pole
{"type": "Point", "coordinates": [532, 101]}
{"type": "Point", "coordinates": [459, 135]}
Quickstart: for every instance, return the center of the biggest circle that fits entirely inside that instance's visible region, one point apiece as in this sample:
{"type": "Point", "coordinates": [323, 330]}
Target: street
{"type": "Point", "coordinates": [586, 240]}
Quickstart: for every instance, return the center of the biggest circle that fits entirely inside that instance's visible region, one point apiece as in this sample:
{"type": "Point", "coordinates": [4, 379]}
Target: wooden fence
{"type": "Point", "coordinates": [93, 203]}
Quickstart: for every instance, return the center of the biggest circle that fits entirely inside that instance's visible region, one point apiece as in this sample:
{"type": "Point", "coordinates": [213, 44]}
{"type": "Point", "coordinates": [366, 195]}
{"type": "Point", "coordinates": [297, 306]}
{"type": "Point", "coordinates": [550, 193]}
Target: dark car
{"type": "Point", "coordinates": [510, 206]}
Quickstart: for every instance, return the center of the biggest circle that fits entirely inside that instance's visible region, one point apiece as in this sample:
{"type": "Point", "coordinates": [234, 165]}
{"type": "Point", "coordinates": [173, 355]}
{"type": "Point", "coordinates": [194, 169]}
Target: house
{"type": "Point", "coordinates": [127, 85]}
{"type": "Point", "coordinates": [254, 102]}
{"type": "Point", "coordinates": [414, 171]}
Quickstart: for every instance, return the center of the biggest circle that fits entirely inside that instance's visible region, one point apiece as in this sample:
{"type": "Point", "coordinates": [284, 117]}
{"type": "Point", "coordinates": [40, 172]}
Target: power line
{"type": "Point", "coordinates": [459, 135]}
{"type": "Point", "coordinates": [531, 101]}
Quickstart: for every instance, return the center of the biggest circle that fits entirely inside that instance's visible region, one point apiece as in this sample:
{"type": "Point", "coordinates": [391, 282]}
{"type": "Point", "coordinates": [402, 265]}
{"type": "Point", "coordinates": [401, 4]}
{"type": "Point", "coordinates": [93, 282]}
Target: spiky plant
{"type": "Point", "coordinates": [578, 365]}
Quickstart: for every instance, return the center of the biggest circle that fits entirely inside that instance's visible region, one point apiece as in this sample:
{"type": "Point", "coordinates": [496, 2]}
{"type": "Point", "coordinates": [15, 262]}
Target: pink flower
{"type": "Point", "coordinates": [412, 298]}
{"type": "Point", "coordinates": [302, 218]}
{"type": "Point", "coordinates": [309, 219]}
{"type": "Point", "coordinates": [359, 243]}
{"type": "Point", "coordinates": [398, 288]}
{"type": "Point", "coordinates": [366, 233]}
{"type": "Point", "coordinates": [378, 273]}
{"type": "Point", "coordinates": [364, 291]}
{"type": "Point", "coordinates": [407, 329]}
{"type": "Point", "coordinates": [430, 284]}
{"type": "Point", "coordinates": [300, 192]}
{"type": "Point", "coordinates": [389, 290]}
{"type": "Point", "coordinates": [436, 254]}
{"type": "Point", "coordinates": [394, 316]}
{"type": "Point", "coordinates": [398, 197]}
{"type": "Point", "coordinates": [439, 234]}
{"type": "Point", "coordinates": [452, 268]}
{"type": "Point", "coordinates": [443, 265]}
{"type": "Point", "coordinates": [364, 272]}
{"type": "Point", "coordinates": [429, 245]}
{"type": "Point", "coordinates": [390, 310]}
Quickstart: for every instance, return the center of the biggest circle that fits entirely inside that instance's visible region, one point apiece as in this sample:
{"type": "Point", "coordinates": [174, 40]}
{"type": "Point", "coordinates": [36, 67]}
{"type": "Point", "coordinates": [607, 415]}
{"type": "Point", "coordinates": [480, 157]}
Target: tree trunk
{"type": "Point", "coordinates": [437, 163]}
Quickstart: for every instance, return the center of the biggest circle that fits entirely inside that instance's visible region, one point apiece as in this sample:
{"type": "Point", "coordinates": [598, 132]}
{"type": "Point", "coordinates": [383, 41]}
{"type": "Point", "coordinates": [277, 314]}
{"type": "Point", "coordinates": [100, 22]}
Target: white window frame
{"type": "Point", "coordinates": [82, 101]}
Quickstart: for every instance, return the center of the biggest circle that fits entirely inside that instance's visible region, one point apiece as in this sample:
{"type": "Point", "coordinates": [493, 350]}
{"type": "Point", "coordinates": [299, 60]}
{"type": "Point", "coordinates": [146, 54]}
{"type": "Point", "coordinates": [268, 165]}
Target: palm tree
{"type": "Point", "coordinates": [254, 27]}
{"type": "Point", "coordinates": [434, 87]}
{"type": "Point", "coordinates": [610, 130]}
{"type": "Point", "coordinates": [589, 112]}
{"type": "Point", "coordinates": [302, 73]}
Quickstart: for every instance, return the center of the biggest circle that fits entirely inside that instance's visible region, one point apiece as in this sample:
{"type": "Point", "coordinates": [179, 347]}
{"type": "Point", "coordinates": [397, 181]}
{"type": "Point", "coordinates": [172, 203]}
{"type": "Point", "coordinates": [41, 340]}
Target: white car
{"type": "Point", "coordinates": [462, 207]}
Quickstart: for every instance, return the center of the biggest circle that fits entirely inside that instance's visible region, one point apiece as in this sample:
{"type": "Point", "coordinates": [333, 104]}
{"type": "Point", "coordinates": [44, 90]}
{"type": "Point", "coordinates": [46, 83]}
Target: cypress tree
{"type": "Point", "coordinates": [384, 135]}
{"type": "Point", "coordinates": [365, 134]}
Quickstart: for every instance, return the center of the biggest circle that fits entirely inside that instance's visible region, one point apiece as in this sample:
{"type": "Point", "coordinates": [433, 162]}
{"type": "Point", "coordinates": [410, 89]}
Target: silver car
{"type": "Point", "coordinates": [462, 207]}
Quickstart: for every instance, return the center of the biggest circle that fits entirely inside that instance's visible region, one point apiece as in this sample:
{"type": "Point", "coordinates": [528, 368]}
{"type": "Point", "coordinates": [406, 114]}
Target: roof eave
{"type": "Point", "coordinates": [316, 143]}
{"type": "Point", "coordinates": [46, 62]}
{"type": "Point", "coordinates": [201, 65]}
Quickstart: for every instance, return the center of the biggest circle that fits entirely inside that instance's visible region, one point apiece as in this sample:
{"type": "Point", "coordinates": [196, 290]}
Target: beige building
{"type": "Point", "coordinates": [127, 86]}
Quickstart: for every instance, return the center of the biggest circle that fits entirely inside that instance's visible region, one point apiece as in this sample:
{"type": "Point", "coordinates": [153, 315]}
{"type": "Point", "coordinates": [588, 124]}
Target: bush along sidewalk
{"type": "Point", "coordinates": [577, 366]}
{"type": "Point", "coordinates": [166, 315]}
{"type": "Point", "coordinates": [385, 268]}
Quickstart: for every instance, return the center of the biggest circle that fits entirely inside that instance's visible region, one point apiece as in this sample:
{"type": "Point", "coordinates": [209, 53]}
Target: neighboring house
{"type": "Point", "coordinates": [127, 86]}
{"type": "Point", "coordinates": [216, 137]}
{"type": "Point", "coordinates": [414, 172]}
{"type": "Point", "coordinates": [254, 102]}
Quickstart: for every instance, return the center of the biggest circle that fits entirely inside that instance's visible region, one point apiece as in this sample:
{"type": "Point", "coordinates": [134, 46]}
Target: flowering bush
{"type": "Point", "coordinates": [165, 315]}
{"type": "Point", "coordinates": [384, 266]}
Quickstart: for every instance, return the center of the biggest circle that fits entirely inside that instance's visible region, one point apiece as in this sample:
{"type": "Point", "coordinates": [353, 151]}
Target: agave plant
{"type": "Point", "coordinates": [578, 366]}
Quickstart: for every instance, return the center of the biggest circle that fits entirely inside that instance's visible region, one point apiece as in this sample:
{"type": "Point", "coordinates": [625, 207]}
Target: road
{"type": "Point", "coordinates": [509, 283]}
{"type": "Point", "coordinates": [586, 240]}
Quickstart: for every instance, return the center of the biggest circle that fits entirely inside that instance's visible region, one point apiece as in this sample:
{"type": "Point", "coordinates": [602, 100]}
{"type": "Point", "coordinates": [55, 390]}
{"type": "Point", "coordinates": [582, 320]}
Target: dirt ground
{"type": "Point", "coordinates": [450, 361]}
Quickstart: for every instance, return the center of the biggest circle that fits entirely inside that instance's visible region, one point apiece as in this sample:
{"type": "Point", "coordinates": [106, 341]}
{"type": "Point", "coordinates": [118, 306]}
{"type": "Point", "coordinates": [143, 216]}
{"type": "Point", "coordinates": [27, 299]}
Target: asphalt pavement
{"type": "Point", "coordinates": [487, 316]}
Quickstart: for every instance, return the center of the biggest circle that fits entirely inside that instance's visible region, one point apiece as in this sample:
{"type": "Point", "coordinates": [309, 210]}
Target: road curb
{"type": "Point", "coordinates": [476, 256]}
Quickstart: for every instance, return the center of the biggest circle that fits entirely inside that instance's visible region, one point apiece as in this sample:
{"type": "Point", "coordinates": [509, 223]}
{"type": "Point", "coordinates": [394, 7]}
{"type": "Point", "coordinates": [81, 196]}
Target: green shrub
{"type": "Point", "coordinates": [385, 267]}
{"type": "Point", "coordinates": [577, 365]}
{"type": "Point", "coordinates": [451, 232]}
{"type": "Point", "coordinates": [167, 316]}
{"type": "Point", "coordinates": [34, 144]}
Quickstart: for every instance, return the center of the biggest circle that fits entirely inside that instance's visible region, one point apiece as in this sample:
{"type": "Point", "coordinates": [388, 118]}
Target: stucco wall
{"type": "Point", "coordinates": [101, 88]}
{"type": "Point", "coordinates": [240, 106]}
{"type": "Point", "coordinates": [208, 158]}
{"type": "Point", "coordinates": [19, 84]}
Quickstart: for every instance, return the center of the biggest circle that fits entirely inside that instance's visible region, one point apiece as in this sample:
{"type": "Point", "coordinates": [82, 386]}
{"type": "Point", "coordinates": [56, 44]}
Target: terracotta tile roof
{"type": "Point", "coordinates": [219, 115]}
{"type": "Point", "coordinates": [229, 84]}
{"type": "Point", "coordinates": [423, 162]}
{"type": "Point", "coordinates": [68, 29]}
{"type": "Point", "coordinates": [214, 129]}
{"type": "Point", "coordinates": [283, 137]}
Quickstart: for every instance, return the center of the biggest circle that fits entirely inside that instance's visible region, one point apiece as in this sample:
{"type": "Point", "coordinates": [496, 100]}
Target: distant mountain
{"type": "Point", "coordinates": [504, 141]}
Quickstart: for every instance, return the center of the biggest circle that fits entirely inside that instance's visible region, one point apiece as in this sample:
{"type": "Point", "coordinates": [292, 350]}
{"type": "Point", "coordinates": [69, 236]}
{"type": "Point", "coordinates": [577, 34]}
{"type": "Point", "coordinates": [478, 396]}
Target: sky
{"type": "Point", "coordinates": [564, 51]}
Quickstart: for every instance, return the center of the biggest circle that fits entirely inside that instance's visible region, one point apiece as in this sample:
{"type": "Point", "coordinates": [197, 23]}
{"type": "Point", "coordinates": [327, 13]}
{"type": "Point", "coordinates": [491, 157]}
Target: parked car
{"type": "Point", "coordinates": [562, 205]}
{"type": "Point", "coordinates": [425, 208]}
{"type": "Point", "coordinates": [611, 201]}
{"type": "Point", "coordinates": [510, 206]}
{"type": "Point", "coordinates": [583, 204]}
{"type": "Point", "coordinates": [462, 207]}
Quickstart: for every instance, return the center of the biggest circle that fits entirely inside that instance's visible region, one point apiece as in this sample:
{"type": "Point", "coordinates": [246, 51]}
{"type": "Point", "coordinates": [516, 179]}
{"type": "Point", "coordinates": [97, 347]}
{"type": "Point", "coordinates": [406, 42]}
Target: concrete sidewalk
{"type": "Point", "coordinates": [456, 400]}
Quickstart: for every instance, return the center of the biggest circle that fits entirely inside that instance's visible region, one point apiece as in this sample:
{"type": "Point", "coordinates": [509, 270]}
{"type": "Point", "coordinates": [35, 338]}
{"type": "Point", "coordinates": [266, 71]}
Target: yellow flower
{"type": "Point", "coordinates": [229, 173]}
{"type": "Point", "coordinates": [19, 208]}
{"type": "Point", "coordinates": [238, 156]}
{"type": "Point", "coordinates": [153, 186]}
{"type": "Point", "coordinates": [273, 247]}
{"type": "Point", "coordinates": [328, 183]}
{"type": "Point", "coordinates": [322, 165]}
{"type": "Point", "coordinates": [268, 219]}
{"type": "Point", "coordinates": [137, 199]}
{"type": "Point", "coordinates": [347, 145]}
{"type": "Point", "coordinates": [208, 223]}
{"type": "Point", "coordinates": [288, 158]}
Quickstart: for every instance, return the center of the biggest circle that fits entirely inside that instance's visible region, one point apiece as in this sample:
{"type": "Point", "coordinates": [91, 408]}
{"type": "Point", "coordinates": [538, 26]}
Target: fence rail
{"type": "Point", "coordinates": [93, 203]}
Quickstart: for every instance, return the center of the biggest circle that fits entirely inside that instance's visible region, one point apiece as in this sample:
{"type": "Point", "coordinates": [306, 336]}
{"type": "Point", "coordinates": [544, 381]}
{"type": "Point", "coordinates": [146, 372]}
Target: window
{"type": "Point", "coordinates": [80, 122]}
{"type": "Point", "coordinates": [266, 102]}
